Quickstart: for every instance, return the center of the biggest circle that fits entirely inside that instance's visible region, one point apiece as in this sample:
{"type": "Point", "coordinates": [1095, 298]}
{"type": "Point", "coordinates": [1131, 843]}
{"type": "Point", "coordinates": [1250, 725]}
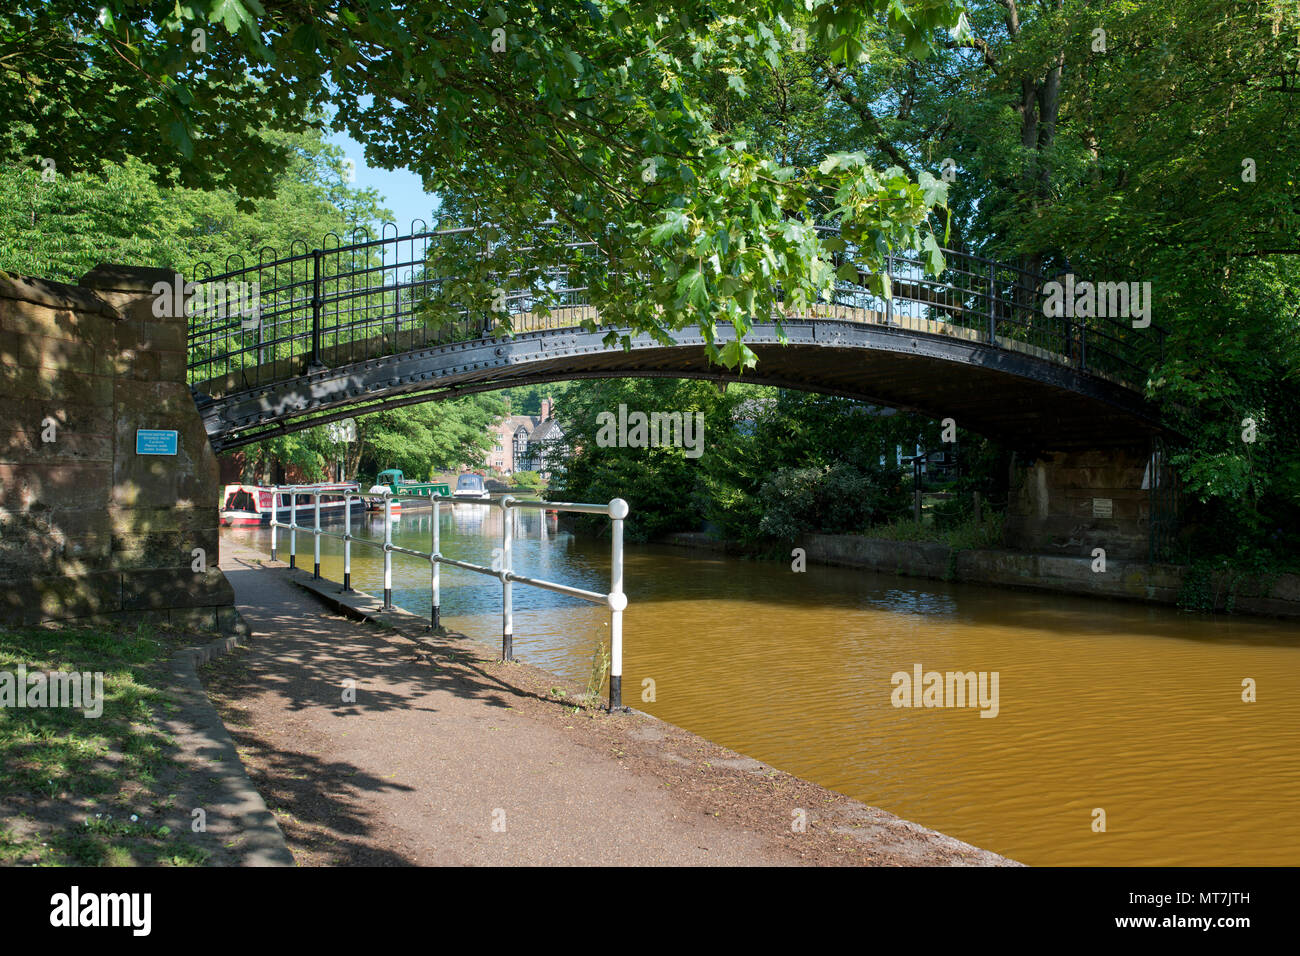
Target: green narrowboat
{"type": "Point", "coordinates": [393, 480]}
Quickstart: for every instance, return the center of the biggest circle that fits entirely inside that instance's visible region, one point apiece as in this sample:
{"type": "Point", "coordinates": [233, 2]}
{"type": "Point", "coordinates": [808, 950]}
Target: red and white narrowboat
{"type": "Point", "coordinates": [252, 504]}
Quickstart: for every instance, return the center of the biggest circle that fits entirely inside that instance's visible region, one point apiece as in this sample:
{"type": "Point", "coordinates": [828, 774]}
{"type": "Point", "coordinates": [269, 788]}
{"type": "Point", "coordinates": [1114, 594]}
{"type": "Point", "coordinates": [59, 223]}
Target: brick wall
{"type": "Point", "coordinates": [87, 527]}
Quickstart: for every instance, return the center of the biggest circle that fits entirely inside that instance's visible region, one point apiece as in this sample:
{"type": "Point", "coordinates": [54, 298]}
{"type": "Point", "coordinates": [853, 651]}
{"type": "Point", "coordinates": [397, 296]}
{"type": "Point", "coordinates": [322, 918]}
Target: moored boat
{"type": "Point", "coordinates": [415, 494]}
{"type": "Point", "coordinates": [471, 486]}
{"type": "Point", "coordinates": [254, 504]}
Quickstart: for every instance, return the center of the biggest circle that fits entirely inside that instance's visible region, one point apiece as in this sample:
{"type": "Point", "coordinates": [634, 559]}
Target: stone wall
{"type": "Point", "coordinates": [88, 528]}
{"type": "Point", "coordinates": [1158, 583]}
{"type": "Point", "coordinates": [1059, 503]}
{"type": "Point", "coordinates": [1128, 580]}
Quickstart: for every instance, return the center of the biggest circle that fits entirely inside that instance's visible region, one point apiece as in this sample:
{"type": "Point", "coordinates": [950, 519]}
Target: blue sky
{"type": "Point", "coordinates": [402, 190]}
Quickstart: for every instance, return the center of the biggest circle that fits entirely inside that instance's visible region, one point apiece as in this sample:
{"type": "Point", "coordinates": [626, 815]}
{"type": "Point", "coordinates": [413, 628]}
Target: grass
{"type": "Point", "coordinates": [80, 790]}
{"type": "Point", "coordinates": [964, 535]}
{"type": "Point", "coordinates": [599, 674]}
{"type": "Point", "coordinates": [101, 841]}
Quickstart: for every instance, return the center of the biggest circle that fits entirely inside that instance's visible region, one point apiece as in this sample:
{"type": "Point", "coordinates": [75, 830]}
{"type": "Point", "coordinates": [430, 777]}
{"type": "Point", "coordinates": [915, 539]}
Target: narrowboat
{"type": "Point", "coordinates": [252, 504]}
{"type": "Point", "coordinates": [415, 494]}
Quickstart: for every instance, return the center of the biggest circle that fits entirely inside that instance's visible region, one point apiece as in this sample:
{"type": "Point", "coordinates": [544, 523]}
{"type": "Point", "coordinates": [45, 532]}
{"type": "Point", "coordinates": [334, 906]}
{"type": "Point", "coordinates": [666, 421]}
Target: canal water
{"type": "Point", "coordinates": [1123, 708]}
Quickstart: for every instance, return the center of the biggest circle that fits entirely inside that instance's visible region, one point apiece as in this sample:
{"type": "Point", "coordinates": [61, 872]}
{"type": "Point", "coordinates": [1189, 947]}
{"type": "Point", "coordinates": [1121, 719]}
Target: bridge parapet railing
{"type": "Point", "coordinates": [348, 302]}
{"type": "Point", "coordinates": [344, 303]}
{"type": "Point", "coordinates": [615, 599]}
{"type": "Point", "coordinates": [1002, 303]}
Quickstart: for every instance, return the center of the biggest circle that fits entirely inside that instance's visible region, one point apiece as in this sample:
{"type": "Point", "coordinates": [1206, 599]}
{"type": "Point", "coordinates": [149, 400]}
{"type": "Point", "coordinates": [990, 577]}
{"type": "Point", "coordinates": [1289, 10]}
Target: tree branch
{"type": "Point", "coordinates": [836, 80]}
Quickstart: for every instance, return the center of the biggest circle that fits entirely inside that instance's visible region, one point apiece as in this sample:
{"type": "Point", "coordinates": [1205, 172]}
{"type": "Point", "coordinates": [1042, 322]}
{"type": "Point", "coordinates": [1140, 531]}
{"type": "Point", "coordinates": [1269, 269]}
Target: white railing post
{"type": "Point", "coordinates": [434, 554]}
{"type": "Point", "coordinates": [275, 516]}
{"type": "Point", "coordinates": [388, 551]}
{"type": "Point", "coordinates": [507, 607]}
{"type": "Point", "coordinates": [617, 603]}
{"type": "Point", "coordinates": [315, 573]}
{"type": "Point", "coordinates": [347, 542]}
{"type": "Point", "coordinates": [293, 528]}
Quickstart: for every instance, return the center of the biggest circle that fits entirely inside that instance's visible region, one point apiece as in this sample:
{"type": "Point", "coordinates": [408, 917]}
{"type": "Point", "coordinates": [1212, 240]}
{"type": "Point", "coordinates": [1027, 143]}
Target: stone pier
{"type": "Point", "coordinates": [1070, 502]}
{"type": "Point", "coordinates": [88, 526]}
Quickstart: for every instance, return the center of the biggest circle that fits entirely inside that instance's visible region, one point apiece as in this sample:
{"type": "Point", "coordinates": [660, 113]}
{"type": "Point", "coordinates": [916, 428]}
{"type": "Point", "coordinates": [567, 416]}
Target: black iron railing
{"type": "Point", "coordinates": [347, 302]}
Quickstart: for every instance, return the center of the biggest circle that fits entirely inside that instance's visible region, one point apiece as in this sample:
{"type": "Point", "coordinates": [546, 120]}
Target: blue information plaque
{"type": "Point", "coordinates": [155, 441]}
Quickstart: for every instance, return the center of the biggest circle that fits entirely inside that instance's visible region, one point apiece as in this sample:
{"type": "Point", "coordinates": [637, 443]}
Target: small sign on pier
{"type": "Point", "coordinates": [155, 441]}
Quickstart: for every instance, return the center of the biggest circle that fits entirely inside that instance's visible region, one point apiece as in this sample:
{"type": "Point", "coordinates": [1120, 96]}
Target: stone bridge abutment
{"type": "Point", "coordinates": [91, 524]}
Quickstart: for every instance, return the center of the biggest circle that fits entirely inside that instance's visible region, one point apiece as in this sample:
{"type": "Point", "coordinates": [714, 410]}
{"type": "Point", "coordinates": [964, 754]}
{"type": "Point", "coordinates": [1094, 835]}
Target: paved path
{"type": "Point", "coordinates": [440, 760]}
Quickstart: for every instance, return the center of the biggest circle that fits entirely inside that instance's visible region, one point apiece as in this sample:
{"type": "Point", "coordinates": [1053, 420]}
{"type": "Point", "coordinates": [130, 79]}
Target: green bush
{"type": "Point", "coordinates": [841, 499]}
{"type": "Point", "coordinates": [528, 479]}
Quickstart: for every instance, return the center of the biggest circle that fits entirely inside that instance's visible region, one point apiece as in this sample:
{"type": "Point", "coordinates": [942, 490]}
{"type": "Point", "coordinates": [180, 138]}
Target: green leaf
{"type": "Point", "coordinates": [673, 224]}
{"type": "Point", "coordinates": [691, 288]}
{"type": "Point", "coordinates": [736, 354]}
{"type": "Point", "coordinates": [232, 14]}
{"type": "Point", "coordinates": [934, 261]}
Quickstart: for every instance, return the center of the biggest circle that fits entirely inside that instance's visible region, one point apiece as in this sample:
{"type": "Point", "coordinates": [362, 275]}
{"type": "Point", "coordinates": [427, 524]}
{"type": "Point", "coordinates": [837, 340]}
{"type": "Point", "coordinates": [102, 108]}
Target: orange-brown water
{"type": "Point", "coordinates": [1137, 711]}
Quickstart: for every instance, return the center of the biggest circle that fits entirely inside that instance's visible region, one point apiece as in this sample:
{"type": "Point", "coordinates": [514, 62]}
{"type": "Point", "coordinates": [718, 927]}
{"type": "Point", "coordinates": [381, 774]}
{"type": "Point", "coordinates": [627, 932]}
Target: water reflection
{"type": "Point", "coordinates": [915, 602]}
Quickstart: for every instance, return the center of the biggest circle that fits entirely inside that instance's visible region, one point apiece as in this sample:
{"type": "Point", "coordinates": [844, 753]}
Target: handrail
{"type": "Point", "coordinates": [615, 599]}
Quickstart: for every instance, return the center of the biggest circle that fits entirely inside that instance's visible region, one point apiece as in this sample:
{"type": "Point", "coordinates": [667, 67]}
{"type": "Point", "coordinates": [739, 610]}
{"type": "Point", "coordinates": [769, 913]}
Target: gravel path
{"type": "Point", "coordinates": [445, 756]}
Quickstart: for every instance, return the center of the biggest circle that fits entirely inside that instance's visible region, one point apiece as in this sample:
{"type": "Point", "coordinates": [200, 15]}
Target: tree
{"type": "Point", "coordinates": [62, 227]}
{"type": "Point", "coordinates": [524, 108]}
{"type": "Point", "coordinates": [659, 483]}
{"type": "Point", "coordinates": [1156, 142]}
{"type": "Point", "coordinates": [310, 452]}
{"type": "Point", "coordinates": [527, 399]}
{"type": "Point", "coordinates": [824, 463]}
{"type": "Point", "coordinates": [423, 440]}
{"type": "Point", "coordinates": [84, 85]}
{"type": "Point", "coordinates": [770, 460]}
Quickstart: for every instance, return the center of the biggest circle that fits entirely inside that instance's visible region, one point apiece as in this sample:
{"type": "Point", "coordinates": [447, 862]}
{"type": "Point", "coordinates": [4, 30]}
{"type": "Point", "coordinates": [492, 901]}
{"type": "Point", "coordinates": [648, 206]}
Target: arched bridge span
{"type": "Point", "coordinates": [340, 331]}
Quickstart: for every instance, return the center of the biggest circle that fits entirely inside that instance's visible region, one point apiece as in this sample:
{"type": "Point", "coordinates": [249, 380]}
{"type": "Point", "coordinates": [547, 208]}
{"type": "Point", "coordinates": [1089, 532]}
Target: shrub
{"type": "Point", "coordinates": [841, 499]}
{"type": "Point", "coordinates": [528, 479]}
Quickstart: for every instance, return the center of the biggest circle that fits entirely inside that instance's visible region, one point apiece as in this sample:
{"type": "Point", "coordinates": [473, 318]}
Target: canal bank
{"type": "Point", "coordinates": [1271, 596]}
{"type": "Point", "coordinates": [400, 747]}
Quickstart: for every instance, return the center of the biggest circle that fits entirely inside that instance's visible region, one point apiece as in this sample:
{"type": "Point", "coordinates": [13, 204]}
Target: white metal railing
{"type": "Point", "coordinates": [615, 600]}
